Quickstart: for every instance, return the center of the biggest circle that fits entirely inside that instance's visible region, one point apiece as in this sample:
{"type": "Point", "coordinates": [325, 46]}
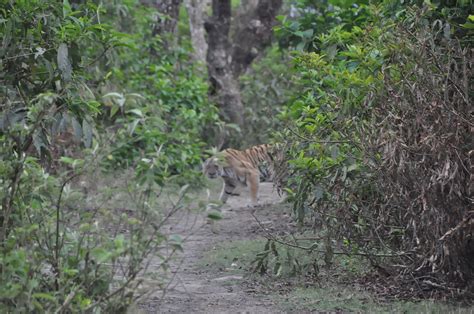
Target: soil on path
{"type": "Point", "coordinates": [195, 289]}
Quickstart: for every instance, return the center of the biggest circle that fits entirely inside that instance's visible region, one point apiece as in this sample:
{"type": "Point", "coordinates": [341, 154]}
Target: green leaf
{"type": "Point", "coordinates": [87, 133]}
{"type": "Point", "coordinates": [63, 62]}
{"type": "Point", "coordinates": [66, 8]}
{"type": "Point", "coordinates": [114, 110]}
{"type": "Point", "coordinates": [137, 112]}
{"type": "Point", "coordinates": [37, 305]}
{"type": "Point", "coordinates": [176, 241]}
{"type": "Point", "coordinates": [101, 255]}
{"type": "Point", "coordinates": [300, 46]}
{"type": "Point", "coordinates": [76, 127]}
{"type": "Point", "coordinates": [7, 36]}
{"type": "Point", "coordinates": [70, 271]}
{"type": "Point", "coordinates": [214, 215]}
{"type": "Point", "coordinates": [277, 269]}
{"type": "Point", "coordinates": [135, 95]}
{"type": "Point", "coordinates": [113, 94]}
{"type": "Point", "coordinates": [85, 227]}
{"type": "Point", "coordinates": [298, 33]}
{"type": "Point", "coordinates": [67, 160]}
{"type": "Point", "coordinates": [119, 241]}
{"type": "Point", "coordinates": [352, 167]}
{"type": "Point", "coordinates": [132, 126]}
{"type": "Point", "coordinates": [183, 190]}
{"type": "Point", "coordinates": [35, 204]}
{"type": "Point", "coordinates": [45, 296]}
{"type": "Point", "coordinates": [308, 33]}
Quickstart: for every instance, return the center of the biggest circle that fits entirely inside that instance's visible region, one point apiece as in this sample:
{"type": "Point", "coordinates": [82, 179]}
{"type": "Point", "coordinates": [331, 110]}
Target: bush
{"type": "Point", "coordinates": [79, 99]}
{"type": "Point", "coordinates": [425, 145]}
{"type": "Point", "coordinates": [378, 141]}
{"type": "Point", "coordinates": [264, 91]}
{"type": "Point", "coordinates": [155, 103]}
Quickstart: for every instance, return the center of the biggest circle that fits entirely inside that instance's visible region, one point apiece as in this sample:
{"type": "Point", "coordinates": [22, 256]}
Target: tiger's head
{"type": "Point", "coordinates": [211, 168]}
{"type": "Point", "coordinates": [214, 166]}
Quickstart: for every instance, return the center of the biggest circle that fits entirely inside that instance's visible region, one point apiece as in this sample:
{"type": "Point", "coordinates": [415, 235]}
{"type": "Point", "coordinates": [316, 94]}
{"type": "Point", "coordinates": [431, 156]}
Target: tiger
{"type": "Point", "coordinates": [241, 168]}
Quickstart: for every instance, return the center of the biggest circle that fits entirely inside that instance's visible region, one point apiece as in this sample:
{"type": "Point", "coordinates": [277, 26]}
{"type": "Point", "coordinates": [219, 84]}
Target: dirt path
{"type": "Point", "coordinates": [195, 289]}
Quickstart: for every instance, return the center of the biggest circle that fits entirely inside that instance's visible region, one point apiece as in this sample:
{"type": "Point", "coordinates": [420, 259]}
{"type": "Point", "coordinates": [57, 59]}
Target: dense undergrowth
{"type": "Point", "coordinates": [88, 92]}
{"type": "Point", "coordinates": [378, 140]}
{"type": "Point", "coordinates": [376, 127]}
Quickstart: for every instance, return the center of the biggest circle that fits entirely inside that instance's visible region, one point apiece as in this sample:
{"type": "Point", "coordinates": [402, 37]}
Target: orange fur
{"type": "Point", "coordinates": [239, 168]}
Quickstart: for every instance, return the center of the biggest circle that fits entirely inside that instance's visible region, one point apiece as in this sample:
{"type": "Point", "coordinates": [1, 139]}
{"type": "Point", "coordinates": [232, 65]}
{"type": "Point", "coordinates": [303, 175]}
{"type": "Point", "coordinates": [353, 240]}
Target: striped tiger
{"type": "Point", "coordinates": [241, 168]}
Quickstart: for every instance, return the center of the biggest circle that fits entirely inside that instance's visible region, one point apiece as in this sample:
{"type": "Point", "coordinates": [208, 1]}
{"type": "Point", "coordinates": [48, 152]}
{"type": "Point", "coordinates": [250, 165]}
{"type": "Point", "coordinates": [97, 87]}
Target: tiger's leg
{"type": "Point", "coordinates": [228, 189]}
{"type": "Point", "coordinates": [237, 190]}
{"type": "Point", "coordinates": [253, 182]}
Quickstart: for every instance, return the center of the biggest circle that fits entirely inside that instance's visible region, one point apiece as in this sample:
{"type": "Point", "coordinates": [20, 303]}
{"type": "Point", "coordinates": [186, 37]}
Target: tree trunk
{"type": "Point", "coordinates": [166, 19]}
{"type": "Point", "coordinates": [196, 11]}
{"type": "Point", "coordinates": [224, 88]}
{"type": "Point", "coordinates": [253, 33]}
{"type": "Point", "coordinates": [227, 59]}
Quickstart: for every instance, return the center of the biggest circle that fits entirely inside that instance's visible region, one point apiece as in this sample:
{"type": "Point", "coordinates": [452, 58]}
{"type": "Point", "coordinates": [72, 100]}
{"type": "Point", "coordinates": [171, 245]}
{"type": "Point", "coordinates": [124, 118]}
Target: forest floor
{"type": "Point", "coordinates": [213, 272]}
{"type": "Point", "coordinates": [200, 288]}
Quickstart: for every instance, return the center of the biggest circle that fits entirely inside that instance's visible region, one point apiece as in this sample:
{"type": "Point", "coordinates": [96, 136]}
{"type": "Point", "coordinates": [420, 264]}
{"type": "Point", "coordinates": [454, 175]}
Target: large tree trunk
{"type": "Point", "coordinates": [223, 89]}
{"type": "Point", "coordinates": [253, 33]}
{"type": "Point", "coordinates": [196, 12]}
{"type": "Point", "coordinates": [228, 58]}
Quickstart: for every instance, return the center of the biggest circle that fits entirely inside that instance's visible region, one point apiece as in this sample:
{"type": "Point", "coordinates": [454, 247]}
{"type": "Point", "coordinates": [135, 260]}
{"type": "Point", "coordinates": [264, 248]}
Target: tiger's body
{"type": "Point", "coordinates": [241, 168]}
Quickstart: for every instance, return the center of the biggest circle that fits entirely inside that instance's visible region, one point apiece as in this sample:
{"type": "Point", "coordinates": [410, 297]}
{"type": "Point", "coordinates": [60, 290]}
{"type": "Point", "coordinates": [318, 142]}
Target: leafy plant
{"type": "Point", "coordinates": [75, 102]}
{"type": "Point", "coordinates": [158, 123]}
{"type": "Point", "coordinates": [356, 163]}
{"type": "Point", "coordinates": [264, 91]}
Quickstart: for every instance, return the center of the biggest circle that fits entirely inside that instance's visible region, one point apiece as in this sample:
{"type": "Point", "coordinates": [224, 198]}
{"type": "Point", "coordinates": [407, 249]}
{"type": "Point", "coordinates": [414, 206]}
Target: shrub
{"type": "Point", "coordinates": [264, 91]}
{"type": "Point", "coordinates": [74, 105]}
{"type": "Point", "coordinates": [378, 141]}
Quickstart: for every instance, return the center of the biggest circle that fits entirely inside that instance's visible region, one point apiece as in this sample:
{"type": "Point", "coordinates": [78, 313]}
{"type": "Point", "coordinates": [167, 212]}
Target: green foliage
{"type": "Point", "coordinates": [306, 256]}
{"type": "Point", "coordinates": [44, 90]}
{"type": "Point", "coordinates": [314, 18]}
{"type": "Point", "coordinates": [41, 71]}
{"type": "Point", "coordinates": [165, 109]}
{"type": "Point", "coordinates": [87, 90]}
{"type": "Point", "coordinates": [283, 258]}
{"type": "Point", "coordinates": [235, 256]}
{"type": "Point", "coordinates": [352, 129]}
{"type": "Point", "coordinates": [66, 255]}
{"type": "Point", "coordinates": [337, 86]}
{"type": "Point", "coordinates": [264, 91]}
{"type": "Point", "coordinates": [355, 299]}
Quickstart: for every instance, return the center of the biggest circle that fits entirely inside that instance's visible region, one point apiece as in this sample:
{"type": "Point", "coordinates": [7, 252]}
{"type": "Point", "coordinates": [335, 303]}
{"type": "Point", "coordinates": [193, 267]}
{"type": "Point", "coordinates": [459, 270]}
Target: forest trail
{"type": "Point", "coordinates": [197, 289]}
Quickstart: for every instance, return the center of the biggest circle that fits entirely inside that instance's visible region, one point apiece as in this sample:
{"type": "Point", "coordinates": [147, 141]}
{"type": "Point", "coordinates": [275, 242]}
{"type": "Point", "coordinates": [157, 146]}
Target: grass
{"type": "Point", "coordinates": [332, 297]}
{"type": "Point", "coordinates": [291, 261]}
{"type": "Point", "coordinates": [237, 257]}
{"type": "Point", "coordinates": [116, 190]}
{"type": "Point", "coordinates": [234, 257]}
